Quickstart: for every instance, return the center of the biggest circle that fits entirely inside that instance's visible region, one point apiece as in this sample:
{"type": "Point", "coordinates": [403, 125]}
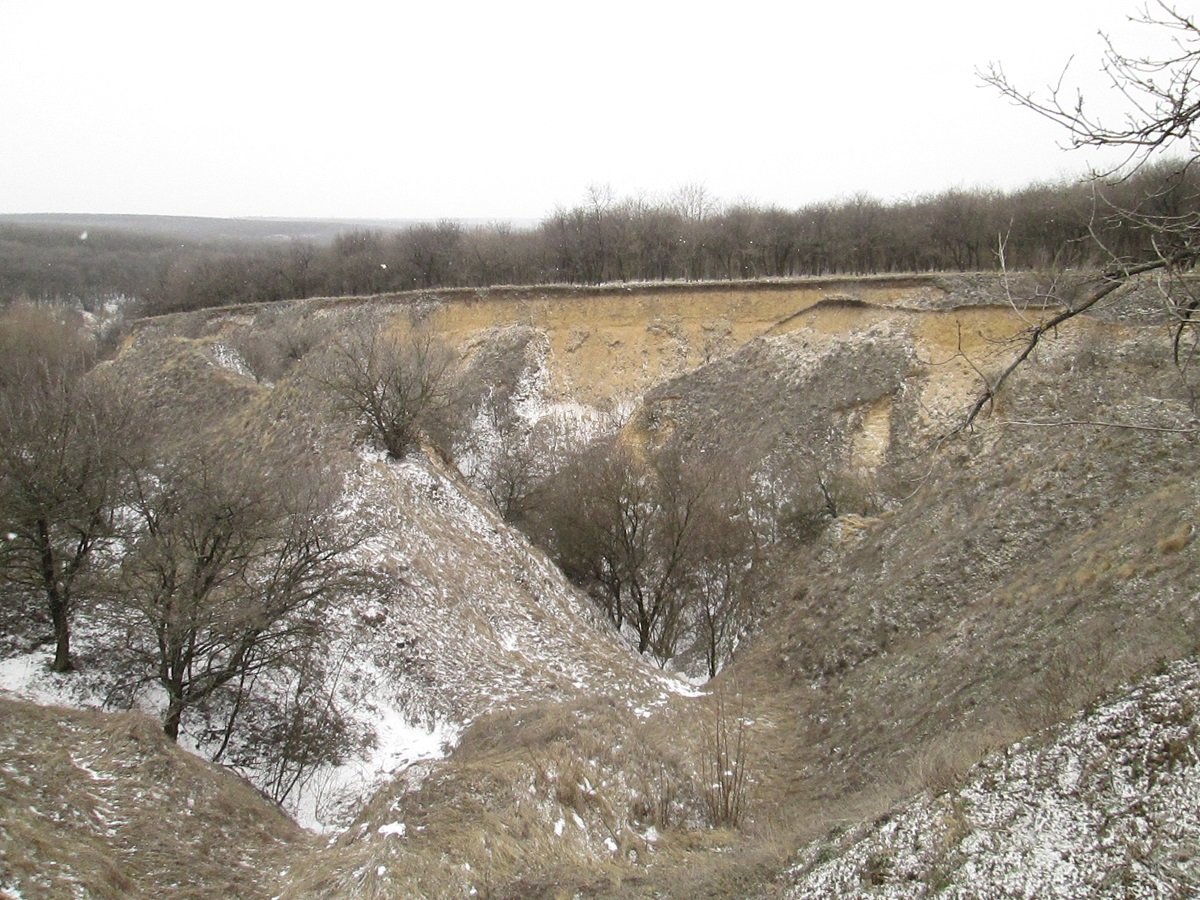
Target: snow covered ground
{"type": "Point", "coordinates": [475, 620]}
{"type": "Point", "coordinates": [1107, 805]}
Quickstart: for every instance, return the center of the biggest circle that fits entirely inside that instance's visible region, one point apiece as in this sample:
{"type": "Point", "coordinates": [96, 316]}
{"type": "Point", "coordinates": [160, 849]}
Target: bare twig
{"type": "Point", "coordinates": [1111, 281]}
{"type": "Point", "coordinates": [1100, 423]}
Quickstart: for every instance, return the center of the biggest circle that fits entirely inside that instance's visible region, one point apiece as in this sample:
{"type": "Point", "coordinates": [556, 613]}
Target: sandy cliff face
{"type": "Point", "coordinates": [604, 348]}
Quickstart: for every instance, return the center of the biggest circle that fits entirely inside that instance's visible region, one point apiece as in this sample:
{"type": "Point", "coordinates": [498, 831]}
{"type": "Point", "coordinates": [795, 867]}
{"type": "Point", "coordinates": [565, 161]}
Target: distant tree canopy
{"type": "Point", "coordinates": [41, 263]}
{"type": "Point", "coordinates": [686, 236]}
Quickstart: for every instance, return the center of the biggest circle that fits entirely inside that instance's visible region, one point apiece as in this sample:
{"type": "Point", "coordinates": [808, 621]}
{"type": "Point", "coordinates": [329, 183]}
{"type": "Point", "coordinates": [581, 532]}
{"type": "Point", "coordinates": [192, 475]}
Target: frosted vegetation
{"type": "Point", "coordinates": [284, 617]}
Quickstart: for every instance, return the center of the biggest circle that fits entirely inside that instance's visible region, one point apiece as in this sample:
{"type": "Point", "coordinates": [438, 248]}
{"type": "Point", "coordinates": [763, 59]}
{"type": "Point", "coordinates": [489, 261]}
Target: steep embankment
{"type": "Point", "coordinates": [602, 347]}
{"type": "Point", "coordinates": [973, 588]}
{"type": "Point", "coordinates": [931, 619]}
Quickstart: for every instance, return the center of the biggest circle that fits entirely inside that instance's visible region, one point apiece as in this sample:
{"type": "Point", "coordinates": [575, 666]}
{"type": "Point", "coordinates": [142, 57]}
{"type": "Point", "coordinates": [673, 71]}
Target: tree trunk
{"type": "Point", "coordinates": [56, 599]}
{"type": "Point", "coordinates": [643, 628]}
{"type": "Point", "coordinates": [62, 633]}
{"type": "Point", "coordinates": [172, 717]}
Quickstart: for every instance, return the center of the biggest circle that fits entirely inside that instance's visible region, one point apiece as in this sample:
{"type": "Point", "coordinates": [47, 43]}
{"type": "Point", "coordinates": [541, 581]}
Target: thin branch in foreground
{"type": "Point", "coordinates": [1112, 280]}
{"type": "Point", "coordinates": [1100, 423]}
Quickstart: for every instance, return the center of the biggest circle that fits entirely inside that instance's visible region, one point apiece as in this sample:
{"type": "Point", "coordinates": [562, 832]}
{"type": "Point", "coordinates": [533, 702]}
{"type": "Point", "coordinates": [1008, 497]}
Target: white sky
{"type": "Point", "coordinates": [507, 109]}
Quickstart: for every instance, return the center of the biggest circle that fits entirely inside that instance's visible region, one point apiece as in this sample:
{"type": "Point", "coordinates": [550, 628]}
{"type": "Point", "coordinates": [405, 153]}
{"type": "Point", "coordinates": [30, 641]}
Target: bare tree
{"type": "Point", "coordinates": [726, 560]}
{"type": "Point", "coordinates": [584, 526]}
{"type": "Point", "coordinates": [1162, 105]}
{"type": "Point", "coordinates": [393, 385]}
{"type": "Point", "coordinates": [60, 437]}
{"type": "Point", "coordinates": [230, 563]}
{"type": "Point", "coordinates": [693, 201]}
{"type": "Point", "coordinates": [1157, 129]}
{"type": "Point", "coordinates": [624, 527]}
{"type": "Point", "coordinates": [517, 461]}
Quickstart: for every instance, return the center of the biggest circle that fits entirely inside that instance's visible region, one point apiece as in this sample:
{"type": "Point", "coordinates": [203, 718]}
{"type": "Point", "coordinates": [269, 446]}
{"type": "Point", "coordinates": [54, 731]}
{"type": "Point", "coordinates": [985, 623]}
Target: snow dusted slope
{"type": "Point", "coordinates": [1105, 806]}
{"type": "Point", "coordinates": [480, 619]}
{"type": "Point", "coordinates": [476, 620]}
{"type": "Point", "coordinates": [470, 619]}
{"type": "Point", "coordinates": [98, 805]}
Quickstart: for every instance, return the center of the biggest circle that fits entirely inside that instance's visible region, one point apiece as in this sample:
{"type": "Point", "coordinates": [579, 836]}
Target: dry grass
{"type": "Point", "coordinates": [1033, 571]}
{"type": "Point", "coordinates": [551, 800]}
{"type": "Point", "coordinates": [531, 800]}
{"type": "Point", "coordinates": [1175, 542]}
{"type": "Point", "coordinates": [103, 804]}
{"type": "Point", "coordinates": [942, 764]}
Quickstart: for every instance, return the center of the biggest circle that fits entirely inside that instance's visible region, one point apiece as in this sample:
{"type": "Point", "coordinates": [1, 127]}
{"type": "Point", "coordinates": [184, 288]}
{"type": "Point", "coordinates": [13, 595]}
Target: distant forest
{"type": "Point", "coordinates": [687, 236]}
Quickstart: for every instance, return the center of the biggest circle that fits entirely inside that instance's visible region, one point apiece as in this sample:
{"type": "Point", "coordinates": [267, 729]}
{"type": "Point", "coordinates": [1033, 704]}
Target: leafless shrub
{"type": "Point", "coordinates": [284, 727]}
{"type": "Point", "coordinates": [230, 562]}
{"type": "Point", "coordinates": [723, 760]}
{"type": "Point", "coordinates": [395, 386]}
{"type": "Point", "coordinates": [1070, 679]}
{"type": "Point", "coordinates": [623, 525]}
{"type": "Point", "coordinates": [507, 457]}
{"type": "Point", "coordinates": [659, 800]}
{"type": "Point", "coordinates": [278, 341]}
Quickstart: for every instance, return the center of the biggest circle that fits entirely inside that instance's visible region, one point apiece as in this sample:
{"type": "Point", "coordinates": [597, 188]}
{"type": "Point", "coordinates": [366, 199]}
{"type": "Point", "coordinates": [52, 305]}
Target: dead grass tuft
{"type": "Point", "coordinates": [942, 765]}
{"type": "Point", "coordinates": [1176, 541]}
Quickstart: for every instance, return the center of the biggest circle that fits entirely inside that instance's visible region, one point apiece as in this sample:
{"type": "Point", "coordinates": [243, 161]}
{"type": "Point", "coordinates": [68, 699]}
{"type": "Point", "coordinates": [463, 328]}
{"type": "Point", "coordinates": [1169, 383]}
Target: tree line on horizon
{"type": "Point", "coordinates": [688, 235]}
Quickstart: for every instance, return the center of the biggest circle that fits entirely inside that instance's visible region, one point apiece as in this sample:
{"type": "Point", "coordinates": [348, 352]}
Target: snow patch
{"type": "Point", "coordinates": [1106, 805]}
{"type": "Point", "coordinates": [228, 358]}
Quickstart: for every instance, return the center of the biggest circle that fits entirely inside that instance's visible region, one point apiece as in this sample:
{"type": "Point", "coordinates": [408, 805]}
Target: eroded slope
{"type": "Point", "coordinates": [969, 590]}
{"type": "Point", "coordinates": [1105, 806]}
{"type": "Point", "coordinates": [101, 805]}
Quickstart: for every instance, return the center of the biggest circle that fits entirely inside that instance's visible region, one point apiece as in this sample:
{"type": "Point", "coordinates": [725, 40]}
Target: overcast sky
{"type": "Point", "coordinates": [507, 109]}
